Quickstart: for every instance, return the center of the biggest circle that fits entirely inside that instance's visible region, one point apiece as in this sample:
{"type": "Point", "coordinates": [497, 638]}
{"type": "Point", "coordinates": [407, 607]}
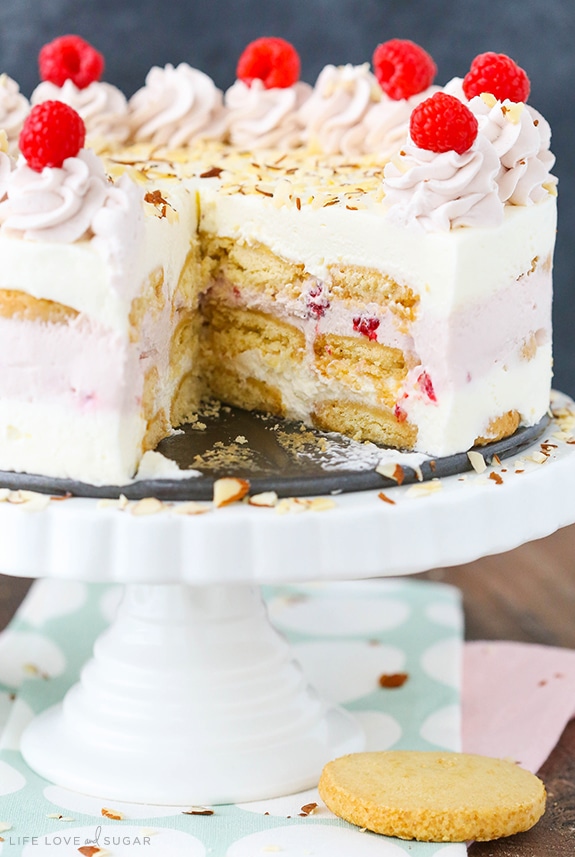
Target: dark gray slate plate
{"type": "Point", "coordinates": [272, 454]}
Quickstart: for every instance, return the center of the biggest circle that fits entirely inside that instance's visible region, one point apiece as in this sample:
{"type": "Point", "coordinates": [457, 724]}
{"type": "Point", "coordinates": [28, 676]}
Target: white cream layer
{"type": "Point", "coordinates": [444, 269]}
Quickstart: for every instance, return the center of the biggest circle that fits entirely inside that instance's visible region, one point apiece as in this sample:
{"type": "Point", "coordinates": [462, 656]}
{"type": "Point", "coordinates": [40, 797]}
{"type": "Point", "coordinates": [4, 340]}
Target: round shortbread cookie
{"type": "Point", "coordinates": [433, 796]}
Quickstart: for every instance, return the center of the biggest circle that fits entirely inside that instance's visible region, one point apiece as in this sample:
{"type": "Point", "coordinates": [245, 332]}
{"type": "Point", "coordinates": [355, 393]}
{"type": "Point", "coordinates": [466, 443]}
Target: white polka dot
{"type": "Point", "coordinates": [314, 839]}
{"type": "Point", "coordinates": [6, 705]}
{"type": "Point", "coordinates": [133, 842]}
{"type": "Point", "coordinates": [342, 672]}
{"type": "Point", "coordinates": [19, 717]}
{"type": "Point", "coordinates": [382, 730]}
{"type": "Point", "coordinates": [11, 780]}
{"type": "Point", "coordinates": [75, 802]}
{"type": "Point", "coordinates": [26, 654]}
{"type": "Point", "coordinates": [49, 599]}
{"type": "Point", "coordinates": [289, 805]}
{"type": "Point", "coordinates": [444, 613]}
{"type": "Point", "coordinates": [338, 617]}
{"type": "Point", "coordinates": [110, 601]}
{"type": "Point", "coordinates": [456, 849]}
{"type": "Point", "coordinates": [442, 661]}
{"type": "Point", "coordinates": [443, 728]}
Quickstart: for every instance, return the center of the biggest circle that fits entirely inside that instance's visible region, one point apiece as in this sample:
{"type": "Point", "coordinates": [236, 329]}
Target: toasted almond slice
{"type": "Point", "coordinates": [198, 810]}
{"type": "Point", "coordinates": [477, 461]}
{"type": "Point", "coordinates": [112, 813]}
{"type": "Point", "coordinates": [266, 498]}
{"type": "Point", "coordinates": [322, 504]}
{"type": "Point", "coordinates": [393, 470]}
{"type": "Point", "coordinates": [148, 506]}
{"type": "Point", "coordinates": [292, 504]}
{"type": "Point", "coordinates": [228, 490]}
{"type": "Point", "coordinates": [191, 507]}
{"type": "Point", "coordinates": [424, 489]}
{"type": "Point", "coordinates": [32, 501]}
{"type": "Point", "coordinates": [121, 503]}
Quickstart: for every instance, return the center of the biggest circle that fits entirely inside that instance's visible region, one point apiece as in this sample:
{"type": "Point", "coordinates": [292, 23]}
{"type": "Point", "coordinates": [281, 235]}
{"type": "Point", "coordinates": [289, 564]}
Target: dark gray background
{"type": "Point", "coordinates": [135, 34]}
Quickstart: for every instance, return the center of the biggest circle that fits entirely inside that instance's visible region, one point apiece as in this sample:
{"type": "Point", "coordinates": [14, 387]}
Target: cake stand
{"type": "Point", "coordinates": [191, 696]}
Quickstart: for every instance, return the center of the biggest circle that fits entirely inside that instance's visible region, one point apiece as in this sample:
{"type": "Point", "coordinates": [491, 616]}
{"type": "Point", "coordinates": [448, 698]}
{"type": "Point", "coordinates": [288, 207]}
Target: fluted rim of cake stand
{"type": "Point", "coordinates": [440, 523]}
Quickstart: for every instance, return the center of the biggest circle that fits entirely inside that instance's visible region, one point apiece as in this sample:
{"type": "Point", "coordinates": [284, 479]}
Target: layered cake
{"type": "Point", "coordinates": [371, 255]}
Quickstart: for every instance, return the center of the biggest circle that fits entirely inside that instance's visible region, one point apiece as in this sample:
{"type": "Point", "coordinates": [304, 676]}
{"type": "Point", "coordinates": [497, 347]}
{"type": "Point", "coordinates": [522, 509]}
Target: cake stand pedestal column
{"type": "Point", "coordinates": [191, 697]}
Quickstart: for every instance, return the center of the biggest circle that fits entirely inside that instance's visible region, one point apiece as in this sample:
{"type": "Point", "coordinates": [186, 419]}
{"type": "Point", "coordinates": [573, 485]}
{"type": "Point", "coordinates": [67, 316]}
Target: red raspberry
{"type": "Point", "coordinates": [443, 123]}
{"type": "Point", "coordinates": [70, 58]}
{"type": "Point", "coordinates": [497, 74]}
{"type": "Point", "coordinates": [367, 326]}
{"type": "Point", "coordinates": [403, 68]}
{"type": "Point", "coordinates": [273, 61]}
{"type": "Point", "coordinates": [52, 132]}
{"type": "Point", "coordinates": [426, 386]}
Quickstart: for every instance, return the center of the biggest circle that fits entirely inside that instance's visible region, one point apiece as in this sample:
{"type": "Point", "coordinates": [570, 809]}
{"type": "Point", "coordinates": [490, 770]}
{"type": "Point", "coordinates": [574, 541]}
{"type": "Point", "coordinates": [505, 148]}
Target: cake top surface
{"type": "Point", "coordinates": [388, 140]}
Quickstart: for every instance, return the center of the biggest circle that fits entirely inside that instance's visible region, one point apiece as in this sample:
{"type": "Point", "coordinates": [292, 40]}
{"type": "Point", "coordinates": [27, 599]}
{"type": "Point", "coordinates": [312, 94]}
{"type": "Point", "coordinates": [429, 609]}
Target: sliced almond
{"type": "Point", "coordinates": [322, 504]}
{"type": "Point", "coordinates": [266, 498]}
{"type": "Point", "coordinates": [477, 461]}
{"type": "Point", "coordinates": [191, 507]}
{"type": "Point", "coordinates": [112, 813]}
{"type": "Point", "coordinates": [148, 506]}
{"type": "Point", "coordinates": [391, 470]}
{"type": "Point", "coordinates": [32, 501]}
{"type": "Point", "coordinates": [228, 490]}
{"type": "Point", "coordinates": [424, 489]}
{"type": "Point", "coordinates": [121, 503]}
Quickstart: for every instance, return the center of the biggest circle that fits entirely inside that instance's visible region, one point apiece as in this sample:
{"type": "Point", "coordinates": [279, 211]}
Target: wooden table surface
{"type": "Point", "coordinates": [528, 595]}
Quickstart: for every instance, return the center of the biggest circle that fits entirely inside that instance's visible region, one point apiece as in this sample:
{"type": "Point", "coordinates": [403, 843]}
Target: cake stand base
{"type": "Point", "coordinates": [191, 698]}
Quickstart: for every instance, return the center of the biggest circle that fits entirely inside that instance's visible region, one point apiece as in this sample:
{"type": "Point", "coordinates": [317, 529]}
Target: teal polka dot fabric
{"type": "Point", "coordinates": [346, 636]}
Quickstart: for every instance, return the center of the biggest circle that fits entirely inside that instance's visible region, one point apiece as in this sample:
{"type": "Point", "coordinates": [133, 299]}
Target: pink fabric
{"type": "Point", "coordinates": [517, 699]}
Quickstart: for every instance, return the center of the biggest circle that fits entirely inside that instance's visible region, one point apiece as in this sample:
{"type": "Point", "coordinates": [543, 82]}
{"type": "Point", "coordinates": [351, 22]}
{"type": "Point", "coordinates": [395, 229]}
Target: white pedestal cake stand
{"type": "Point", "coordinates": [191, 695]}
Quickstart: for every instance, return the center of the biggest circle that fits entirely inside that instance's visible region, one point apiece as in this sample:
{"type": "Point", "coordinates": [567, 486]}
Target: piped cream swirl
{"type": "Point", "coordinates": [14, 107]}
{"type": "Point", "coordinates": [176, 106]}
{"type": "Point", "coordinates": [266, 118]}
{"type": "Point", "coordinates": [102, 106]}
{"type": "Point", "coordinates": [5, 169]}
{"type": "Point", "coordinates": [438, 192]}
{"type": "Point", "coordinates": [386, 124]}
{"type": "Point", "coordinates": [521, 138]}
{"type": "Point", "coordinates": [334, 115]}
{"type": "Point", "coordinates": [118, 230]}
